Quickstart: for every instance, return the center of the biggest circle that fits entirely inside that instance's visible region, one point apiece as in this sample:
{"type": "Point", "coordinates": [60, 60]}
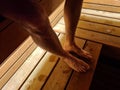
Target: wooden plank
{"type": "Point", "coordinates": [105, 2]}
{"type": "Point", "coordinates": [82, 81]}
{"type": "Point", "coordinates": [40, 74]}
{"type": "Point", "coordinates": [14, 56]}
{"type": "Point", "coordinates": [16, 65]}
{"type": "Point", "coordinates": [107, 29]}
{"type": "Point", "coordinates": [93, 36]}
{"type": "Point", "coordinates": [23, 72]}
{"type": "Point", "coordinates": [98, 37]}
{"type": "Point", "coordinates": [99, 19]}
{"type": "Point", "coordinates": [101, 13]}
{"type": "Point", "coordinates": [16, 82]}
{"type": "Point", "coordinates": [61, 73]}
{"type": "Point", "coordinates": [101, 7]}
{"type": "Point", "coordinates": [10, 38]}
{"type": "Point", "coordinates": [38, 77]}
{"type": "Point", "coordinates": [93, 26]}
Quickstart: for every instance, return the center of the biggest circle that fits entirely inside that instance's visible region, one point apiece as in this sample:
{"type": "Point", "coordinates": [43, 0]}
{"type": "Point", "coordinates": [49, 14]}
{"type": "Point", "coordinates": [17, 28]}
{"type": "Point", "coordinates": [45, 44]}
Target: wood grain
{"type": "Point", "coordinates": [59, 77]}
{"type": "Point", "coordinates": [97, 26]}
{"type": "Point", "coordinates": [92, 36]}
{"type": "Point", "coordinates": [82, 81]}
{"type": "Point", "coordinates": [102, 7]}
{"type": "Point", "coordinates": [105, 2]}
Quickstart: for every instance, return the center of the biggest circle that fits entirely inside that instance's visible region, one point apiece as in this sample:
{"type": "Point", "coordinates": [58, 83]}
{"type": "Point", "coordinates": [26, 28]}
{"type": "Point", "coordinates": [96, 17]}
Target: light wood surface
{"type": "Point", "coordinates": [102, 7]}
{"type": "Point", "coordinates": [82, 81]}
{"type": "Point", "coordinates": [92, 36]}
{"type": "Point", "coordinates": [60, 75]}
{"type": "Point", "coordinates": [98, 25]}
{"type": "Point", "coordinates": [105, 2]}
{"type": "Point", "coordinates": [101, 13]}
{"type": "Point", "coordinates": [100, 19]}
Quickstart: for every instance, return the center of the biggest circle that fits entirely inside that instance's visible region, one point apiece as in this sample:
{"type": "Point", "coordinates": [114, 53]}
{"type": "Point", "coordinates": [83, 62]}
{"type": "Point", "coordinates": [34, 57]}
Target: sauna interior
{"type": "Point", "coordinates": [25, 66]}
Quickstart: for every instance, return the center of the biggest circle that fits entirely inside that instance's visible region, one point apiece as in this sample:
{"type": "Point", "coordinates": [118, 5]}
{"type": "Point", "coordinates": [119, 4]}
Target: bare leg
{"type": "Point", "coordinates": [72, 12]}
{"type": "Point", "coordinates": [35, 20]}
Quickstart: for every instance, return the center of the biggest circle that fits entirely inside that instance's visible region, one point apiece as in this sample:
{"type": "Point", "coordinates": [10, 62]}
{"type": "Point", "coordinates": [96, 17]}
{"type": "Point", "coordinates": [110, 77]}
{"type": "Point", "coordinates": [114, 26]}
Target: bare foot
{"type": "Point", "coordinates": [76, 64]}
{"type": "Point", "coordinates": [79, 52]}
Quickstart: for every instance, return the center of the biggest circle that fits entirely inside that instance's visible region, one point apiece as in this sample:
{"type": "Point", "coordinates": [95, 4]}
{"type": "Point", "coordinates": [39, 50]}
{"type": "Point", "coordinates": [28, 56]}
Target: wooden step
{"type": "Point", "coordinates": [92, 36]}
{"type": "Point", "coordinates": [100, 19]}
{"type": "Point", "coordinates": [101, 13]}
{"type": "Point", "coordinates": [101, 6]}
{"type": "Point", "coordinates": [96, 26]}
{"type": "Point", "coordinates": [47, 71]}
{"type": "Point", "coordinates": [52, 73]}
{"type": "Point", "coordinates": [105, 2]}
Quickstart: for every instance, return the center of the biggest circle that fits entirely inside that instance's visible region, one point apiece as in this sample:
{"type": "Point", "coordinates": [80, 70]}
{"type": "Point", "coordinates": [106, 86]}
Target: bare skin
{"type": "Point", "coordinates": [35, 20]}
{"type": "Point", "coordinates": [72, 12]}
{"type": "Point", "coordinates": [71, 17]}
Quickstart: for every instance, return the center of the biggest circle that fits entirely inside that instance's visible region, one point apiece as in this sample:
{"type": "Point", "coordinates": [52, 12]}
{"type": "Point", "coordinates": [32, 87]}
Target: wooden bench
{"type": "Point", "coordinates": [42, 70]}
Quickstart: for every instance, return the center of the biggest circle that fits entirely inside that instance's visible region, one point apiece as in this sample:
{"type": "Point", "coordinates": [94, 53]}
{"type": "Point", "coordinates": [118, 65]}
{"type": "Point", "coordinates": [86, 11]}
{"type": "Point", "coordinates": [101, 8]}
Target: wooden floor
{"type": "Point", "coordinates": [99, 24]}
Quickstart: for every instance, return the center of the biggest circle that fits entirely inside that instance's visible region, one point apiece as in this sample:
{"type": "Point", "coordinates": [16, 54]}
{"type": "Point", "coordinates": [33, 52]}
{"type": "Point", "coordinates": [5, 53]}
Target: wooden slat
{"type": "Point", "coordinates": [61, 73]}
{"type": "Point", "coordinates": [40, 74]}
{"type": "Point", "coordinates": [93, 36]}
{"type": "Point", "coordinates": [105, 2]}
{"type": "Point", "coordinates": [16, 82]}
{"type": "Point", "coordinates": [16, 65]}
{"type": "Point", "coordinates": [14, 56]}
{"type": "Point", "coordinates": [82, 81]}
{"type": "Point", "coordinates": [98, 37]}
{"type": "Point", "coordinates": [10, 38]}
{"type": "Point", "coordinates": [101, 7]}
{"type": "Point", "coordinates": [99, 28]}
{"type": "Point", "coordinates": [22, 73]}
{"type": "Point", "coordinates": [93, 26]}
{"type": "Point", "coordinates": [38, 77]}
{"type": "Point", "coordinates": [99, 19]}
{"type": "Point", "coordinates": [101, 13]}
